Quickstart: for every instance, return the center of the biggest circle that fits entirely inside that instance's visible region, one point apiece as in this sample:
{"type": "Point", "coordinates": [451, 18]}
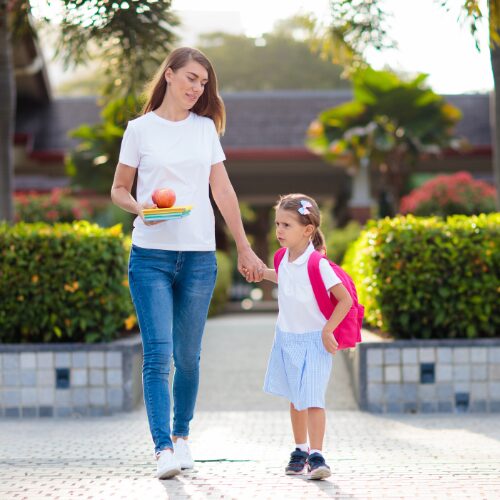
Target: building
{"type": "Point", "coordinates": [264, 142]}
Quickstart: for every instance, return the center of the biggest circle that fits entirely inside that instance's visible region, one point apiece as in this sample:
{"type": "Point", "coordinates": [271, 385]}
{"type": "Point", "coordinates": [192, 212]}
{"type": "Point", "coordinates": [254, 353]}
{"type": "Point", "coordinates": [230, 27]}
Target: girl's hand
{"type": "Point", "coordinates": [259, 277]}
{"type": "Point", "coordinates": [331, 345]}
{"type": "Point", "coordinates": [249, 265]}
{"type": "Point", "coordinates": [141, 215]}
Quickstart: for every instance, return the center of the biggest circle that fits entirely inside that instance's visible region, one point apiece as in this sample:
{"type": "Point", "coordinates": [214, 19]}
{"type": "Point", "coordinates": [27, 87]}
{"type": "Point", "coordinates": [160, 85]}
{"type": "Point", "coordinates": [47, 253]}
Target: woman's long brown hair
{"type": "Point", "coordinates": [209, 104]}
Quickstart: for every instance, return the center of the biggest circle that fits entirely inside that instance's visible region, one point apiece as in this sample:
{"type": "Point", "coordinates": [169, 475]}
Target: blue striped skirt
{"type": "Point", "coordinates": [299, 369]}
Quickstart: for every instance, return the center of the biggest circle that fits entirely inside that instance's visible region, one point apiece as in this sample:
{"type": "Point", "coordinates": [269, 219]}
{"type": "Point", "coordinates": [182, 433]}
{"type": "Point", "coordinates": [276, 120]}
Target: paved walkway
{"type": "Point", "coordinates": [234, 360]}
{"type": "Point", "coordinates": [241, 440]}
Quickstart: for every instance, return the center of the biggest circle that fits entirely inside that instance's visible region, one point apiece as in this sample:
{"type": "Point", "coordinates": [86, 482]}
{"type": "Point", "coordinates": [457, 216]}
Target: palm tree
{"type": "Point", "coordinates": [359, 24]}
{"type": "Point", "coordinates": [130, 38]}
{"type": "Point", "coordinates": [385, 129]}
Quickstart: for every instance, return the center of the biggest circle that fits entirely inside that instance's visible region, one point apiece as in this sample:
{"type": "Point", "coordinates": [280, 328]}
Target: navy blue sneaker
{"type": "Point", "coordinates": [298, 462]}
{"type": "Point", "coordinates": [317, 467]}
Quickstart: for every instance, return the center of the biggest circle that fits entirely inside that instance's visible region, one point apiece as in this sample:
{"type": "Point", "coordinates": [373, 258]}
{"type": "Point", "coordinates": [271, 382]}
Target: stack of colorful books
{"type": "Point", "coordinates": [154, 214]}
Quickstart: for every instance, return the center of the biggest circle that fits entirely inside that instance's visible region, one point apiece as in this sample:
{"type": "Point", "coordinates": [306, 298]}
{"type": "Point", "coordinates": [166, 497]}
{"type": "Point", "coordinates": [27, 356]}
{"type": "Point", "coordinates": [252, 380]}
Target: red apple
{"type": "Point", "coordinates": [164, 197]}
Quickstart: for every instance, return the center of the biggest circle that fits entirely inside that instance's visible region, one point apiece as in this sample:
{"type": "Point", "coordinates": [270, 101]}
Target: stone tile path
{"type": "Point", "coordinates": [241, 440]}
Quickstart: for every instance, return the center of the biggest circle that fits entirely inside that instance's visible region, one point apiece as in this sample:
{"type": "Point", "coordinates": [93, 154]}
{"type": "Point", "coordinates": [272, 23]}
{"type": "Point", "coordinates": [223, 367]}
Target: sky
{"type": "Point", "coordinates": [430, 39]}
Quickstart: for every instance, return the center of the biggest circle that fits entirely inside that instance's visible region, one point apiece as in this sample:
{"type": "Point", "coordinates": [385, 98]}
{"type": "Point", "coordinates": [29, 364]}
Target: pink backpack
{"type": "Point", "coordinates": [348, 333]}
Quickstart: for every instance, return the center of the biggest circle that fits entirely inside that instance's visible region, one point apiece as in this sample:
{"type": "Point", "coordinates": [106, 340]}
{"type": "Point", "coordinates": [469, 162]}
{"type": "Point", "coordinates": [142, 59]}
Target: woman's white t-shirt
{"type": "Point", "coordinates": [298, 310]}
{"type": "Point", "coordinates": [178, 155]}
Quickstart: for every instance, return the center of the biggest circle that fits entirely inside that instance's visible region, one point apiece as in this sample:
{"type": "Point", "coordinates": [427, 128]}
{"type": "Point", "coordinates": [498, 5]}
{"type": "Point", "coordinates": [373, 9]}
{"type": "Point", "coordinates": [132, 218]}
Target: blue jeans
{"type": "Point", "coordinates": [171, 292]}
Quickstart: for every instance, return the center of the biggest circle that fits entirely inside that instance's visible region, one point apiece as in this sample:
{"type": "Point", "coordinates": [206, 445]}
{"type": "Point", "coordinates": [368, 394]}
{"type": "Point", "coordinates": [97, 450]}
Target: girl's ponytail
{"type": "Point", "coordinates": [318, 241]}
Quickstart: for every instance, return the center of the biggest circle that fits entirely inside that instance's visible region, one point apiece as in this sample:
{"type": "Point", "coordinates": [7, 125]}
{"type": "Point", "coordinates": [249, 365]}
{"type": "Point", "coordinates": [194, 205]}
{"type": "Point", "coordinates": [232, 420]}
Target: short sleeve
{"type": "Point", "coordinates": [129, 150]}
{"type": "Point", "coordinates": [217, 151]}
{"type": "Point", "coordinates": [328, 274]}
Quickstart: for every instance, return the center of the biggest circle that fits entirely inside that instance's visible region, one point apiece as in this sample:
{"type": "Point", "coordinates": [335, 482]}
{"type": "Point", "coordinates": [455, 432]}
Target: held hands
{"type": "Point", "coordinates": [250, 266]}
{"type": "Point", "coordinates": [331, 345]}
{"type": "Point", "coordinates": [258, 278]}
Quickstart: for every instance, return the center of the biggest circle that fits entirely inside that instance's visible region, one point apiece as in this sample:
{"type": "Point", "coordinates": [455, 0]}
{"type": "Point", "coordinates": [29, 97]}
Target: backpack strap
{"type": "Point", "coordinates": [320, 292]}
{"type": "Point", "coordinates": [278, 257]}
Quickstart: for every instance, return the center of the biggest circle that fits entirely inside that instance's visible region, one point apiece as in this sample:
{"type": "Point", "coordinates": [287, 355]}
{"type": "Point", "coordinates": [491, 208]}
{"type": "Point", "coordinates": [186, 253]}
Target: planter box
{"type": "Point", "coordinates": [61, 380]}
{"type": "Point", "coordinates": [427, 376]}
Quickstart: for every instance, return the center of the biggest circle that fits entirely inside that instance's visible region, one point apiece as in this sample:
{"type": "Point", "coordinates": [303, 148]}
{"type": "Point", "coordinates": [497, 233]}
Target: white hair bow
{"type": "Point", "coordinates": [303, 209]}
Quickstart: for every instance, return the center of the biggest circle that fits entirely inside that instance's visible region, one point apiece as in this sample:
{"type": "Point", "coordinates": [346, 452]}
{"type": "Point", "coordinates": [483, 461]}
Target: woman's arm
{"type": "Point", "coordinates": [122, 188]}
{"type": "Point", "coordinates": [249, 265]}
{"type": "Point", "coordinates": [341, 309]}
{"type": "Point", "coordinates": [121, 192]}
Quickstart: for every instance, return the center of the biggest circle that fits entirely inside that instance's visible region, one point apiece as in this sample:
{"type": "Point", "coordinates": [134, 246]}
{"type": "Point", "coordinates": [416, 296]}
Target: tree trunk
{"type": "Point", "coordinates": [7, 114]}
{"type": "Point", "coordinates": [495, 116]}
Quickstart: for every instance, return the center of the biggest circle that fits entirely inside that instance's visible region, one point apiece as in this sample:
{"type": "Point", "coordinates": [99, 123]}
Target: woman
{"type": "Point", "coordinates": [172, 268]}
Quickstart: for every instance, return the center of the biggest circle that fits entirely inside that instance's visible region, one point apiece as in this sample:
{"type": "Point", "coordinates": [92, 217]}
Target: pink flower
{"type": "Point", "coordinates": [52, 215]}
{"type": "Point", "coordinates": [447, 194]}
{"type": "Point", "coordinates": [77, 213]}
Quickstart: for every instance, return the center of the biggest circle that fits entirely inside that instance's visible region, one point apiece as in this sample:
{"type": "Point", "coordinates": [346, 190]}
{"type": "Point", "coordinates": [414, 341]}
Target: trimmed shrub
{"type": "Point", "coordinates": [58, 206]}
{"type": "Point", "coordinates": [429, 277]}
{"type": "Point", "coordinates": [222, 285]}
{"type": "Point", "coordinates": [63, 283]}
{"type": "Point", "coordinates": [338, 240]}
{"type": "Point", "coordinates": [447, 195]}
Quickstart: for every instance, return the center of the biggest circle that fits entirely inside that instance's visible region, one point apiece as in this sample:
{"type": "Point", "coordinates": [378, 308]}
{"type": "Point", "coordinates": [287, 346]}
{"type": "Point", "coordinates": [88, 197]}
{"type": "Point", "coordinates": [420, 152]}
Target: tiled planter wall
{"type": "Point", "coordinates": [60, 380]}
{"type": "Point", "coordinates": [427, 376]}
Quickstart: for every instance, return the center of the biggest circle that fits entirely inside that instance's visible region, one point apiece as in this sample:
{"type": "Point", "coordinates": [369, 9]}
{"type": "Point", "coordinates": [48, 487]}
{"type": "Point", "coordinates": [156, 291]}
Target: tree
{"type": "Point", "coordinates": [91, 165]}
{"type": "Point", "coordinates": [240, 64]}
{"type": "Point", "coordinates": [281, 60]}
{"type": "Point", "coordinates": [7, 110]}
{"type": "Point", "coordinates": [358, 24]}
{"type": "Point", "coordinates": [386, 128]}
{"type": "Point", "coordinates": [129, 37]}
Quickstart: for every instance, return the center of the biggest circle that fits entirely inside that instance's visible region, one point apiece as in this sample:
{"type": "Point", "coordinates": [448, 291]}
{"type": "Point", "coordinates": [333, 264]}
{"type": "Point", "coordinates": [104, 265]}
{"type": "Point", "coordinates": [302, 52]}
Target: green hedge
{"type": "Point", "coordinates": [222, 285]}
{"type": "Point", "coordinates": [339, 239]}
{"type": "Point", "coordinates": [63, 283]}
{"type": "Point", "coordinates": [429, 277]}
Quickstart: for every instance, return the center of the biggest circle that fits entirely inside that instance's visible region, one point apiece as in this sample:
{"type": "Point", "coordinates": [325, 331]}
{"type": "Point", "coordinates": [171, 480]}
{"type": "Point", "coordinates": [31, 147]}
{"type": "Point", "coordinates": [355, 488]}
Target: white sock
{"type": "Point", "coordinates": [316, 451]}
{"type": "Point", "coordinates": [302, 447]}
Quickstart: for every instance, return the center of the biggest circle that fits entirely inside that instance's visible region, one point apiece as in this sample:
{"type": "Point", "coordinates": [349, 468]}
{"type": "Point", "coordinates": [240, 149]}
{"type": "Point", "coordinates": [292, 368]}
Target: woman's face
{"type": "Point", "coordinates": [187, 84]}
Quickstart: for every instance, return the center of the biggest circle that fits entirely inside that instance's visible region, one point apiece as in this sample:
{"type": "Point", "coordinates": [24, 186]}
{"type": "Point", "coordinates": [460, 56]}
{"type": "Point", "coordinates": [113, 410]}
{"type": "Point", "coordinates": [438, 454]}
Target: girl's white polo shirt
{"type": "Point", "coordinates": [178, 155]}
{"type": "Point", "coordinates": [298, 309]}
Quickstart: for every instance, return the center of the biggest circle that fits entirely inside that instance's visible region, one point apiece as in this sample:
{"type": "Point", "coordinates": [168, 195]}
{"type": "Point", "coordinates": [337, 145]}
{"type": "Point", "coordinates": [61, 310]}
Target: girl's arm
{"type": "Point", "coordinates": [341, 309]}
{"type": "Point", "coordinates": [270, 275]}
{"type": "Point", "coordinates": [249, 265]}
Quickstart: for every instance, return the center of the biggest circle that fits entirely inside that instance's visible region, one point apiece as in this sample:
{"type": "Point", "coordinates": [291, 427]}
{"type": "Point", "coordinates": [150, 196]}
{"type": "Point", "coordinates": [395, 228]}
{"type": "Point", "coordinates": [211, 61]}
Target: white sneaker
{"type": "Point", "coordinates": [183, 454]}
{"type": "Point", "coordinates": [167, 465]}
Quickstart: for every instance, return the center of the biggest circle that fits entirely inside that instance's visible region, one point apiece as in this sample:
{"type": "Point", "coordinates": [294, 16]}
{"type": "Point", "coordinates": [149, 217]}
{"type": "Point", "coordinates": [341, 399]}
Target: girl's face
{"type": "Point", "coordinates": [186, 84]}
{"type": "Point", "coordinates": [289, 231]}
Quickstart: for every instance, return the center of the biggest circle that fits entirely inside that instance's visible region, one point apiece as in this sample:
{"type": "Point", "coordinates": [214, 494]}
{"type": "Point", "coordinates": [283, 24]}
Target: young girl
{"type": "Point", "coordinates": [300, 362]}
